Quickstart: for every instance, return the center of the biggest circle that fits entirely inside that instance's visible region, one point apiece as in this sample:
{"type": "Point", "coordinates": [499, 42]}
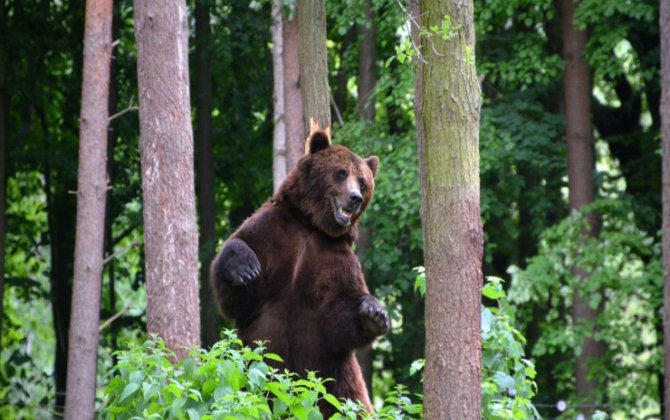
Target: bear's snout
{"type": "Point", "coordinates": [355, 199]}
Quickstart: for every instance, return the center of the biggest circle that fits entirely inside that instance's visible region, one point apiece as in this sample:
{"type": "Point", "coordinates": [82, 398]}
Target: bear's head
{"type": "Point", "coordinates": [331, 186]}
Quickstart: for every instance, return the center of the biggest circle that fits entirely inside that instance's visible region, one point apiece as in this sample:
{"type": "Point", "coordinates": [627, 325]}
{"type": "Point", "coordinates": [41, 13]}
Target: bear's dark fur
{"type": "Point", "coordinates": [289, 276]}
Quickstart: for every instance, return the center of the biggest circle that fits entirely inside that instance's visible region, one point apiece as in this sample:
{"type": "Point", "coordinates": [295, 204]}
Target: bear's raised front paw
{"type": "Point", "coordinates": [375, 320]}
{"type": "Point", "coordinates": [244, 273]}
{"type": "Point", "coordinates": [240, 264]}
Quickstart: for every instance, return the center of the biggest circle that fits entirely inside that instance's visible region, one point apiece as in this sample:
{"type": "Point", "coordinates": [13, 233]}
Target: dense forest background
{"type": "Point", "coordinates": [531, 240]}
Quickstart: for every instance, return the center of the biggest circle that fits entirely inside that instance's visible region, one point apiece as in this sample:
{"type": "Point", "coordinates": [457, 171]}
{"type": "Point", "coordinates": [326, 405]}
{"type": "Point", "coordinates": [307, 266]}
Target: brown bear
{"type": "Point", "coordinates": [289, 275]}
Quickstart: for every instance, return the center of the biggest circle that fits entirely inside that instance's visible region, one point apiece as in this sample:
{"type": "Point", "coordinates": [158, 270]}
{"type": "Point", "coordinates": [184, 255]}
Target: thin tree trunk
{"type": "Point", "coordinates": [109, 217]}
{"type": "Point", "coordinates": [293, 107]}
{"type": "Point", "coordinates": [453, 239]}
{"type": "Point", "coordinates": [61, 209]}
{"type": "Point", "coordinates": [314, 63]}
{"type": "Point", "coordinates": [577, 87]}
{"type": "Point", "coordinates": [209, 313]}
{"type": "Point", "coordinates": [367, 75]}
{"type": "Point", "coordinates": [91, 194]}
{"type": "Point", "coordinates": [3, 166]}
{"type": "Point", "coordinates": [366, 109]}
{"type": "Point", "coordinates": [340, 93]}
{"type": "Point", "coordinates": [279, 149]}
{"type": "Point", "coordinates": [665, 132]}
{"type": "Point", "coordinates": [166, 137]}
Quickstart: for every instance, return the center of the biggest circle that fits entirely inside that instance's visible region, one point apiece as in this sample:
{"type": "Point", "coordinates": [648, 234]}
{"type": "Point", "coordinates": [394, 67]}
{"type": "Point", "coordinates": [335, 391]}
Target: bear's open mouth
{"type": "Point", "coordinates": [343, 214]}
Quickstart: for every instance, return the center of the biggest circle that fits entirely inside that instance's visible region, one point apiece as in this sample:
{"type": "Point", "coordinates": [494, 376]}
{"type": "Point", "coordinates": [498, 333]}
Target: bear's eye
{"type": "Point", "coordinates": [362, 184]}
{"type": "Point", "coordinates": [341, 175]}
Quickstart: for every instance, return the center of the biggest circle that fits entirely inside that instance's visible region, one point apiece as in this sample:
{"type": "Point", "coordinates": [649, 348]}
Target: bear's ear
{"type": "Point", "coordinates": [316, 142]}
{"type": "Point", "coordinates": [373, 164]}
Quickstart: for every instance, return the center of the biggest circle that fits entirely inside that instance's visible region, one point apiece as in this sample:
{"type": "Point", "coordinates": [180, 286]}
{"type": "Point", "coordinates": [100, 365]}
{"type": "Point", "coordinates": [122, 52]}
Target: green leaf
{"type": "Point", "coordinates": [192, 414]}
{"type": "Point", "coordinates": [503, 380]}
{"type": "Point", "coordinates": [416, 366]}
{"type": "Point", "coordinates": [273, 356]}
{"type": "Point", "coordinates": [149, 390]}
{"type": "Point", "coordinates": [278, 390]}
{"type": "Point", "coordinates": [487, 320]}
{"type": "Point", "coordinates": [174, 389]}
{"type": "Point", "coordinates": [129, 390]}
{"type": "Point", "coordinates": [492, 291]}
{"type": "Point", "coordinates": [333, 401]}
{"type": "Point", "coordinates": [208, 387]}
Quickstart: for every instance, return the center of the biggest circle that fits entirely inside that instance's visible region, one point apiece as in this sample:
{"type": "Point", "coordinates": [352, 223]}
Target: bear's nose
{"type": "Point", "coordinates": [356, 198]}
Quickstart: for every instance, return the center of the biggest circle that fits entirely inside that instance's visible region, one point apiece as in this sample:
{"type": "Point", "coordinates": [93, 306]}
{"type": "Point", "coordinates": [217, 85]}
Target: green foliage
{"type": "Point", "coordinates": [624, 279]}
{"type": "Point", "coordinates": [407, 51]}
{"type": "Point", "coordinates": [508, 385]}
{"type": "Point", "coordinates": [610, 22]}
{"type": "Point", "coordinates": [230, 381]}
{"type": "Point", "coordinates": [514, 47]}
{"type": "Point", "coordinates": [26, 363]}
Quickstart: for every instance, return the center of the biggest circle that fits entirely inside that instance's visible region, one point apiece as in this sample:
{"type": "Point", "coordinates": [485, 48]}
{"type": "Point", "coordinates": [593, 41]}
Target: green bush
{"type": "Point", "coordinates": [230, 381]}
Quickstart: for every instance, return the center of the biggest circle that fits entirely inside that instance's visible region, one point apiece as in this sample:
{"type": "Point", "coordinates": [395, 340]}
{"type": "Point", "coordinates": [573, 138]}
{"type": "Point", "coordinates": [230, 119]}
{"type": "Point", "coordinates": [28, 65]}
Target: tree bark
{"type": "Point", "coordinates": [166, 146]}
{"type": "Point", "coordinates": [577, 88]}
{"type": "Point", "coordinates": [91, 194]}
{"type": "Point", "coordinates": [279, 143]}
{"type": "Point", "coordinates": [314, 63]}
{"type": "Point", "coordinates": [367, 75]}
{"type": "Point", "coordinates": [3, 166]}
{"type": "Point", "coordinates": [109, 216]}
{"type": "Point", "coordinates": [209, 313]}
{"type": "Point", "coordinates": [341, 93]}
{"type": "Point", "coordinates": [453, 238]}
{"type": "Point", "coordinates": [665, 132]}
{"type": "Point", "coordinates": [293, 106]}
{"type": "Point", "coordinates": [289, 133]}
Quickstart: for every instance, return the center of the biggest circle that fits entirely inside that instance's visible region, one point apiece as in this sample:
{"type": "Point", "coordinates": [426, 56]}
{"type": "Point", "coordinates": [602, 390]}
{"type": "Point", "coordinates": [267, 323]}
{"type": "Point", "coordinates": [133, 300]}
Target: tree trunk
{"type": "Point", "coordinates": [166, 137]}
{"type": "Point", "coordinates": [453, 239]}
{"type": "Point", "coordinates": [340, 93]}
{"type": "Point", "coordinates": [3, 166]}
{"type": "Point", "coordinates": [279, 150]}
{"type": "Point", "coordinates": [289, 133]}
{"type": "Point", "coordinates": [61, 209]}
{"type": "Point", "coordinates": [577, 87]}
{"type": "Point", "coordinates": [665, 132]}
{"type": "Point", "coordinates": [314, 63]}
{"type": "Point", "coordinates": [366, 65]}
{"type": "Point", "coordinates": [293, 107]}
{"type": "Point", "coordinates": [91, 194]}
{"type": "Point", "coordinates": [109, 217]}
{"type": "Point", "coordinates": [209, 313]}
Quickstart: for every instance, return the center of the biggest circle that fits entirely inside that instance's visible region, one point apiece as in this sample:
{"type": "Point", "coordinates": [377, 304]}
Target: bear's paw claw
{"type": "Point", "coordinates": [374, 318]}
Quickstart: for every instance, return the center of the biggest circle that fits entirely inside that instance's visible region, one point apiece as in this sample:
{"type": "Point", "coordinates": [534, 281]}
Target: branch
{"type": "Point", "coordinates": [421, 32]}
{"type": "Point", "coordinates": [337, 110]}
{"type": "Point", "coordinates": [130, 108]}
{"type": "Point", "coordinates": [113, 318]}
{"type": "Point", "coordinates": [119, 252]}
{"type": "Point", "coordinates": [123, 234]}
